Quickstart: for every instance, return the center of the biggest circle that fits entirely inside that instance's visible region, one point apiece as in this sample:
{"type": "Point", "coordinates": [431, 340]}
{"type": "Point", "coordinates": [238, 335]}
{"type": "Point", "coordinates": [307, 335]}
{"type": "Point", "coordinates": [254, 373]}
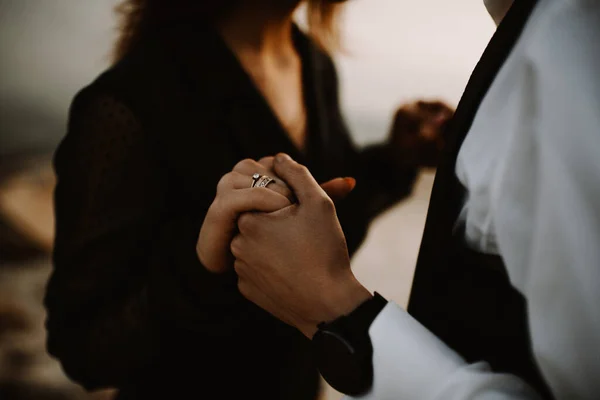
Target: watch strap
{"type": "Point", "coordinates": [363, 316]}
{"type": "Point", "coordinates": [343, 348]}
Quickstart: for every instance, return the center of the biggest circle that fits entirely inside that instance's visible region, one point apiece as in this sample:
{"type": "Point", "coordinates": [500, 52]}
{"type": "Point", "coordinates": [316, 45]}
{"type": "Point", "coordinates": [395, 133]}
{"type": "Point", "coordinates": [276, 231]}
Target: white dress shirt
{"type": "Point", "coordinates": [531, 166]}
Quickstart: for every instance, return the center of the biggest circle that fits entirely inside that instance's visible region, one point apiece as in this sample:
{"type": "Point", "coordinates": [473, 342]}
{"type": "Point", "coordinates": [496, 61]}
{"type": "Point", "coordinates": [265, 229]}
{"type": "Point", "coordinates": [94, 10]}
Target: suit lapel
{"type": "Point", "coordinates": [446, 198]}
{"type": "Point", "coordinates": [202, 90]}
{"type": "Point", "coordinates": [457, 294]}
{"type": "Point", "coordinates": [222, 88]}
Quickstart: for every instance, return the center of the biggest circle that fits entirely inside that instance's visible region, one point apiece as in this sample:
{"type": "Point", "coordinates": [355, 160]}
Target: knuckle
{"type": "Point", "coordinates": [215, 211]}
{"type": "Point", "coordinates": [325, 204]}
{"type": "Point", "coordinates": [236, 246]}
{"type": "Point", "coordinates": [238, 267]}
{"type": "Point", "coordinates": [245, 289]}
{"type": "Point", "coordinates": [300, 169]}
{"type": "Point", "coordinates": [244, 164]}
{"type": "Point", "coordinates": [246, 223]}
{"type": "Point", "coordinates": [266, 161]}
{"type": "Point", "coordinates": [225, 183]}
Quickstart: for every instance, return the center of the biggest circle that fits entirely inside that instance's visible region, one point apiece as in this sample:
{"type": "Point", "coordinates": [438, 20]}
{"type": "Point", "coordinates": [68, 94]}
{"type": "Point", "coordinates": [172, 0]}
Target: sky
{"type": "Point", "coordinates": [400, 50]}
{"type": "Point", "coordinates": [394, 51]}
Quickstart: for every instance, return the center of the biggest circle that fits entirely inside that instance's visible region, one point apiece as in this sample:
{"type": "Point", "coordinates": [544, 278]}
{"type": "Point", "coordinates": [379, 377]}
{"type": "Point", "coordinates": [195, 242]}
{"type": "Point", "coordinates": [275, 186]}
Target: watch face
{"type": "Point", "coordinates": [340, 365]}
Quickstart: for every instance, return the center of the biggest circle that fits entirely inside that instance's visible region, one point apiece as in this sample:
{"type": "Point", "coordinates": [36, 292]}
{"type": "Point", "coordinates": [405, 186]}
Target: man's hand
{"type": "Point", "coordinates": [294, 262]}
{"type": "Point", "coordinates": [235, 196]}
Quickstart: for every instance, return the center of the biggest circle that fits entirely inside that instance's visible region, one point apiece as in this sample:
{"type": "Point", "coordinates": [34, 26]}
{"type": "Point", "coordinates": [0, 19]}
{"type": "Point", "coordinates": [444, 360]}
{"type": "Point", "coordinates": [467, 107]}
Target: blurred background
{"type": "Point", "coordinates": [395, 51]}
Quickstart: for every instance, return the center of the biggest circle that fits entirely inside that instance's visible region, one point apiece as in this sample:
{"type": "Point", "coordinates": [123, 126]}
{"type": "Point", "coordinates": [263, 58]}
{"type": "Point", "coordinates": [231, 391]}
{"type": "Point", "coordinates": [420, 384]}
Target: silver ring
{"type": "Point", "coordinates": [255, 179]}
{"type": "Point", "coordinates": [263, 181]}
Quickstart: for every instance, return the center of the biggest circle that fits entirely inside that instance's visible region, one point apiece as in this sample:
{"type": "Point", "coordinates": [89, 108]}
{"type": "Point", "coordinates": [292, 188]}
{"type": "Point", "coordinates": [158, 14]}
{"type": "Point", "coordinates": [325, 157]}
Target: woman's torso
{"type": "Point", "coordinates": [206, 115]}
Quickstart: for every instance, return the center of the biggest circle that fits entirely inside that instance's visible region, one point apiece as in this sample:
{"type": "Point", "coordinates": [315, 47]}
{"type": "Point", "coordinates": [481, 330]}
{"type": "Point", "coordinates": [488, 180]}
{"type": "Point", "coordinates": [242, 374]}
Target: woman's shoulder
{"type": "Point", "coordinates": [138, 83]}
{"type": "Point", "coordinates": [121, 102]}
{"type": "Point", "coordinates": [156, 69]}
{"type": "Point", "coordinates": [135, 75]}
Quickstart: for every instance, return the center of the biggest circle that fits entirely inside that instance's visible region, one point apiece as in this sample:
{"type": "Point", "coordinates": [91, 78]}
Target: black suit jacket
{"type": "Point", "coordinates": [462, 296]}
{"type": "Point", "coordinates": [129, 305]}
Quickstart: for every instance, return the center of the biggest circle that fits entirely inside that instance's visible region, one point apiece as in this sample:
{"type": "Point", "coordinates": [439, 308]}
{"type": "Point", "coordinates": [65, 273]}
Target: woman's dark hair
{"type": "Point", "coordinates": [139, 16]}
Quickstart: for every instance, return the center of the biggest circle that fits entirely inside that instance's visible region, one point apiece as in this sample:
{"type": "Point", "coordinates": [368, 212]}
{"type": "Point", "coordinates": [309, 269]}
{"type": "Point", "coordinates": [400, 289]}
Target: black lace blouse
{"type": "Point", "coordinates": [129, 304]}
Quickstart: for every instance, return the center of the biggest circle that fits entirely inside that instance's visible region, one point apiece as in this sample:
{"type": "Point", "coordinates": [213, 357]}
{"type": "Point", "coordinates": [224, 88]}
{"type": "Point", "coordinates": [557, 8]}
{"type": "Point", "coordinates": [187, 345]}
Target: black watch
{"type": "Point", "coordinates": [343, 349]}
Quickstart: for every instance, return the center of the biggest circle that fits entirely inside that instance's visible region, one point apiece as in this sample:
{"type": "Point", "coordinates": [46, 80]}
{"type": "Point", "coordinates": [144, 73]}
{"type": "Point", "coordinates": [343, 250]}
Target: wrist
{"type": "Point", "coordinates": [341, 297]}
{"type": "Point", "coordinates": [345, 298]}
{"type": "Point", "coordinates": [343, 349]}
{"type": "Point", "coordinates": [396, 157]}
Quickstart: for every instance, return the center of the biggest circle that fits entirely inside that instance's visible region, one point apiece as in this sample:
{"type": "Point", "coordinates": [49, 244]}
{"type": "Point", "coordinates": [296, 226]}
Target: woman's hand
{"type": "Point", "coordinates": [294, 262]}
{"type": "Point", "coordinates": [417, 135]}
{"type": "Point", "coordinates": [236, 196]}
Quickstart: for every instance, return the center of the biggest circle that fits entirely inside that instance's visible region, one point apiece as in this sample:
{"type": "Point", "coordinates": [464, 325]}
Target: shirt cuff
{"type": "Point", "coordinates": [408, 360]}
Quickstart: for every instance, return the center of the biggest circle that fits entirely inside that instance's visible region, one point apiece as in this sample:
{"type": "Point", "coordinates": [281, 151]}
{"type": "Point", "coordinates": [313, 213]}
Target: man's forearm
{"type": "Point", "coordinates": [339, 299]}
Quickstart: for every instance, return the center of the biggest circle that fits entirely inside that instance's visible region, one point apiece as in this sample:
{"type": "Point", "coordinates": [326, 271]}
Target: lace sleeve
{"type": "Point", "coordinates": [108, 200]}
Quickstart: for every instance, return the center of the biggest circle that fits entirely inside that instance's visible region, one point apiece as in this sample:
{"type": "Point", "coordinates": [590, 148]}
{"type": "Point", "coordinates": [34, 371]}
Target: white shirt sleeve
{"type": "Point", "coordinates": [545, 205]}
{"type": "Point", "coordinates": [411, 363]}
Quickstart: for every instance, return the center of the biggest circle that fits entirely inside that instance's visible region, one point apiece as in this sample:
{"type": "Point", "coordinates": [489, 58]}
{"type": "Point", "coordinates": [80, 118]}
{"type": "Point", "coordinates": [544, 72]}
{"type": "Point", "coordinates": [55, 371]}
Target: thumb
{"type": "Point", "coordinates": [339, 188]}
{"type": "Point", "coordinates": [298, 177]}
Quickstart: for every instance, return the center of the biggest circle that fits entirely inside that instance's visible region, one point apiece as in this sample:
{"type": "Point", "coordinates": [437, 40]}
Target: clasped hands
{"type": "Point", "coordinates": [284, 242]}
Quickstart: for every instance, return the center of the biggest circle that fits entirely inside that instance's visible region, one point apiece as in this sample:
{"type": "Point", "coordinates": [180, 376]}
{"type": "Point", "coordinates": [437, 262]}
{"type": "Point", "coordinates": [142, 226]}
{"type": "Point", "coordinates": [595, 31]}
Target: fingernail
{"type": "Point", "coordinates": [281, 157]}
{"type": "Point", "coordinates": [351, 182]}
